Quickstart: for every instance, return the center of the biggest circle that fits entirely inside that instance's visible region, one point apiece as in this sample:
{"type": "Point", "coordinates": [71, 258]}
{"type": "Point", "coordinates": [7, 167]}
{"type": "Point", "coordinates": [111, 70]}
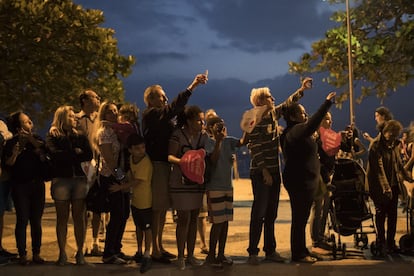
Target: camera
{"type": "Point", "coordinates": [219, 126]}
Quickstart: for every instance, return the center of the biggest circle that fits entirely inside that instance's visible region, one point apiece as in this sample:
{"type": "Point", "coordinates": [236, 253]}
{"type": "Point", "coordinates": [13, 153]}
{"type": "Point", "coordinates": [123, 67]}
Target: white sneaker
{"type": "Point", "coordinates": [181, 263]}
{"type": "Point", "coordinates": [194, 261]}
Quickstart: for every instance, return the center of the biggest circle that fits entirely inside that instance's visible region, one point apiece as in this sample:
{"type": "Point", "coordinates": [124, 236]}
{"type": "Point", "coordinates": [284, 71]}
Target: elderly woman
{"type": "Point", "coordinates": [68, 150]}
{"type": "Point", "coordinates": [300, 152]}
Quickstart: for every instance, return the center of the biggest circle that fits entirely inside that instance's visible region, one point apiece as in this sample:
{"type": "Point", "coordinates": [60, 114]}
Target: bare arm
{"type": "Point", "coordinates": [306, 84]}
{"type": "Point", "coordinates": [199, 79]}
{"type": "Point", "coordinates": [361, 147]}
{"type": "Point", "coordinates": [243, 139]}
{"type": "Point", "coordinates": [410, 161]}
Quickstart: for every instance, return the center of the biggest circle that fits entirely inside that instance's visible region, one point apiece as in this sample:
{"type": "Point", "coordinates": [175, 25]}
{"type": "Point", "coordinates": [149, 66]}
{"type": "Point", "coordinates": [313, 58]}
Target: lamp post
{"type": "Point", "coordinates": [350, 70]}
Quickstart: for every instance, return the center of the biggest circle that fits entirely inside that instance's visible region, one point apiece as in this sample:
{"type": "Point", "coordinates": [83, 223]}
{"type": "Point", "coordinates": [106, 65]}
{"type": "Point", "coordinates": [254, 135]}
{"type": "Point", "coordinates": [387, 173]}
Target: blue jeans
{"type": "Point", "coordinates": [264, 212]}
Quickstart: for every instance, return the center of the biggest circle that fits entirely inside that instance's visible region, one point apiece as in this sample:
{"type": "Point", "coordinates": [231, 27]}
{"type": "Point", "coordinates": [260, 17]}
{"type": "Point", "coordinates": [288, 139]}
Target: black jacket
{"type": "Point", "coordinates": [66, 162]}
{"type": "Point", "coordinates": [300, 151]}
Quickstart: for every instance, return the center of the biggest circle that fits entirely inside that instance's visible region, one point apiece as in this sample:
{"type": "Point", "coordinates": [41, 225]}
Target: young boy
{"type": "Point", "coordinates": [219, 188]}
{"type": "Point", "coordinates": [139, 180]}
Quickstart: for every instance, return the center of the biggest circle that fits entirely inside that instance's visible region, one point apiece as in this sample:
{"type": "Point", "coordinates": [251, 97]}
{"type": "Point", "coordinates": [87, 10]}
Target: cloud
{"type": "Point", "coordinates": [144, 26]}
{"type": "Point", "coordinates": [265, 25]}
{"type": "Point", "coordinates": [146, 59]}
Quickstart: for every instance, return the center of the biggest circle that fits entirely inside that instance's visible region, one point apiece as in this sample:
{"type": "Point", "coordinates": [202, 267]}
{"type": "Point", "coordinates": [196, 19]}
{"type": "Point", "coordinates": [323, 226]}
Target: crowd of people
{"type": "Point", "coordinates": [139, 164]}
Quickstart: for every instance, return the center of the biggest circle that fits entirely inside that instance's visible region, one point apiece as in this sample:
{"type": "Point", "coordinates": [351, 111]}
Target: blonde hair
{"type": "Point", "coordinates": [149, 93]}
{"type": "Point", "coordinates": [98, 125]}
{"type": "Point", "coordinates": [258, 94]}
{"type": "Point", "coordinates": [60, 120]}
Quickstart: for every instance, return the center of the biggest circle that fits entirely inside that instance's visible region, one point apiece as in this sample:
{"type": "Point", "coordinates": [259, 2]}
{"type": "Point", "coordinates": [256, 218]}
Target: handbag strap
{"type": "Point", "coordinates": [97, 168]}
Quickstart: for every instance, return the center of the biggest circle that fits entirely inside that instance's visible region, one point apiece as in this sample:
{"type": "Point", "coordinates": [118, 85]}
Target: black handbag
{"type": "Point", "coordinates": [97, 199]}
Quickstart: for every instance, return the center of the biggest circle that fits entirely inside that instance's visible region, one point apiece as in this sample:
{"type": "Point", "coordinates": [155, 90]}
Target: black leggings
{"type": "Point", "coordinates": [119, 213]}
{"type": "Point", "coordinates": [29, 202]}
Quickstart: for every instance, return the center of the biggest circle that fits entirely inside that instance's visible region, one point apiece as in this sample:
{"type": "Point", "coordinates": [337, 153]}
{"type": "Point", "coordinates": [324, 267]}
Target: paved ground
{"type": "Point", "coordinates": [357, 262]}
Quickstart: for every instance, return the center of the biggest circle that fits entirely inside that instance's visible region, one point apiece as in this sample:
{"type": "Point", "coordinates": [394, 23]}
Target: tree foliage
{"type": "Point", "coordinates": [51, 51]}
{"type": "Point", "coordinates": [382, 48]}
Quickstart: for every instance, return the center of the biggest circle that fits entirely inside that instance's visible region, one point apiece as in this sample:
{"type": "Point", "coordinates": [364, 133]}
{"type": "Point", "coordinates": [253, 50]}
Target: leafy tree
{"type": "Point", "coordinates": [53, 50]}
{"type": "Point", "coordinates": [382, 48]}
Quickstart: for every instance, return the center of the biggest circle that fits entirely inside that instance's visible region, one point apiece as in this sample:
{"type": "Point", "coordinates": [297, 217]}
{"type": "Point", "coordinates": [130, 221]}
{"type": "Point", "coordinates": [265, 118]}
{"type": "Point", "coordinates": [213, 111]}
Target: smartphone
{"type": "Point", "coordinates": [309, 84]}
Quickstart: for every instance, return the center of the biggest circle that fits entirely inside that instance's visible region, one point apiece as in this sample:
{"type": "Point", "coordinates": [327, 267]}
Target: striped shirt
{"type": "Point", "coordinates": [264, 146]}
{"type": "Point", "coordinates": [263, 141]}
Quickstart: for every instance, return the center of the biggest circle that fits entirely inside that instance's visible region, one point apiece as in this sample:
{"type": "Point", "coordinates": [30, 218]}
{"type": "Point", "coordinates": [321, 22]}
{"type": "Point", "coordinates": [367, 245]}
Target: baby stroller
{"type": "Point", "coordinates": [349, 206]}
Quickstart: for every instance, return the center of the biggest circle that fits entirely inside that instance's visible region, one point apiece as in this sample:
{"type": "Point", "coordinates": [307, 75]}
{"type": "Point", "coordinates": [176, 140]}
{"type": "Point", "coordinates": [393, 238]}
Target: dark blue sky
{"type": "Point", "coordinates": [243, 44]}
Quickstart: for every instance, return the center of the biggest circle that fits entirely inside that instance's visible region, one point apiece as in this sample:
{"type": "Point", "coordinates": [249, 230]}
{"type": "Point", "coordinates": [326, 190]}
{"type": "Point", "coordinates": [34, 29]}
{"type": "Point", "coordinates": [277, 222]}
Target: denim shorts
{"type": "Point", "coordinates": [63, 189]}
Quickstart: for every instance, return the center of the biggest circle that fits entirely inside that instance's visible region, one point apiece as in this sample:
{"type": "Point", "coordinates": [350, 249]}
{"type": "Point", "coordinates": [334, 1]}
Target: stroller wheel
{"type": "Point", "coordinates": [361, 238]}
{"type": "Point", "coordinates": [343, 250]}
{"type": "Point", "coordinates": [332, 239]}
{"type": "Point", "coordinates": [375, 250]}
{"type": "Point", "coordinates": [357, 239]}
{"type": "Point", "coordinates": [364, 239]}
{"type": "Point", "coordinates": [406, 243]}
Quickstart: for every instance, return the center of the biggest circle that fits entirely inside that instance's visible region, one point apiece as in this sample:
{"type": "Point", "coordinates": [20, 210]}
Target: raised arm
{"type": "Point", "coordinates": [306, 84]}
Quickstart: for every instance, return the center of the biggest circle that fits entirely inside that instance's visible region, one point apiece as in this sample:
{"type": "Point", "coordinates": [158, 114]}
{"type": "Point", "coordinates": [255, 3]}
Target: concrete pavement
{"type": "Point", "coordinates": [357, 262]}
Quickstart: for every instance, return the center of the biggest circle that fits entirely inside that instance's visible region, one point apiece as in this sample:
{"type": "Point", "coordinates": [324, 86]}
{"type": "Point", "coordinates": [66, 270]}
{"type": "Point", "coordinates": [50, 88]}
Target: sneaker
{"type": "Point", "coordinates": [168, 255]}
{"type": "Point", "coordinates": [204, 251]}
{"type": "Point", "coordinates": [96, 251]}
{"type": "Point", "coordinates": [194, 261]}
{"type": "Point", "coordinates": [317, 256]}
{"type": "Point", "coordinates": [62, 260]}
{"type": "Point", "coordinates": [393, 249]}
{"type": "Point", "coordinates": [275, 257]}
{"type": "Point", "coordinates": [306, 259]}
{"type": "Point", "coordinates": [253, 260]}
{"type": "Point", "coordinates": [4, 260]}
{"type": "Point", "coordinates": [145, 265]}
{"type": "Point", "coordinates": [80, 259]}
{"type": "Point", "coordinates": [37, 259]}
{"type": "Point", "coordinates": [23, 260]}
{"type": "Point", "coordinates": [138, 257]}
{"type": "Point", "coordinates": [114, 259]}
{"type": "Point", "coordinates": [323, 245]}
{"type": "Point", "coordinates": [181, 263]}
{"type": "Point", "coordinates": [122, 255]}
{"type": "Point", "coordinates": [7, 254]}
{"type": "Point", "coordinates": [224, 260]}
{"type": "Point", "coordinates": [213, 262]}
{"type": "Point", "coordinates": [161, 259]}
